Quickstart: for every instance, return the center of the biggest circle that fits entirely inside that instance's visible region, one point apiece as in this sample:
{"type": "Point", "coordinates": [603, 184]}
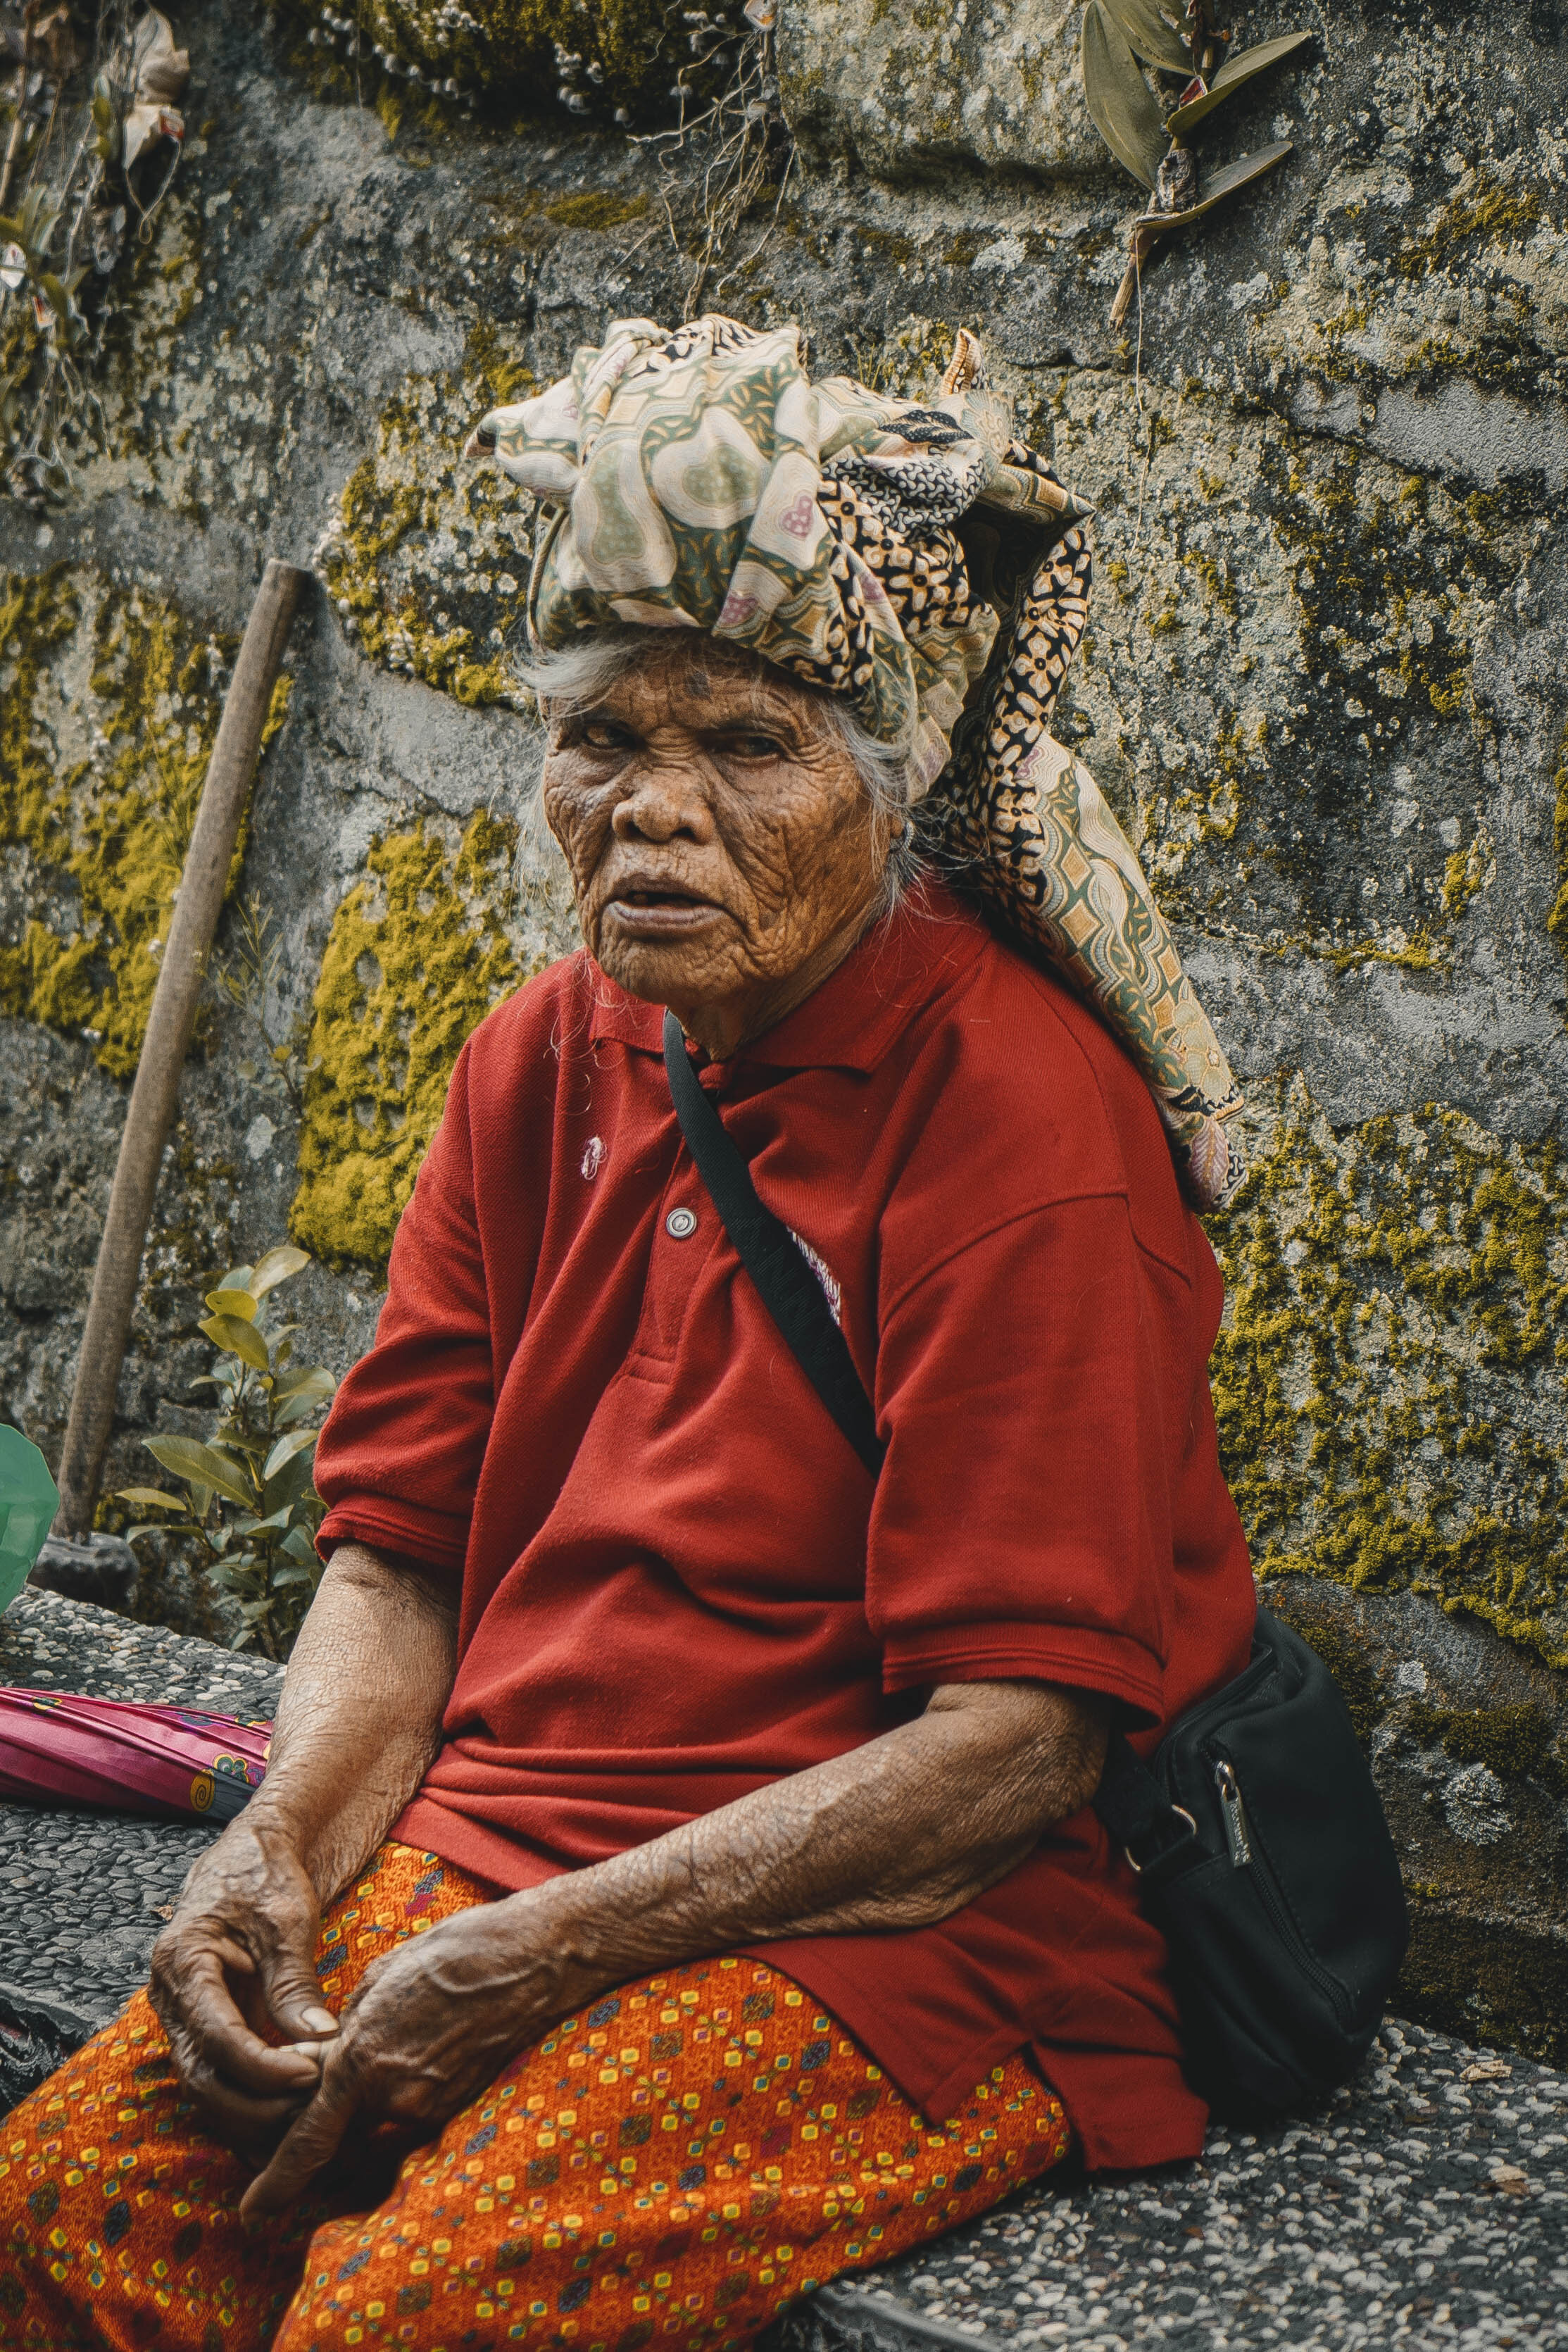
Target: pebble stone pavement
{"type": "Point", "coordinates": [1428, 2206]}
{"type": "Point", "coordinates": [83, 1894]}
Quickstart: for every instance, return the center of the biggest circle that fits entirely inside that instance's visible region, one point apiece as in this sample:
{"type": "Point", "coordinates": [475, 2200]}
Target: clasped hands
{"type": "Point", "coordinates": [430, 2024]}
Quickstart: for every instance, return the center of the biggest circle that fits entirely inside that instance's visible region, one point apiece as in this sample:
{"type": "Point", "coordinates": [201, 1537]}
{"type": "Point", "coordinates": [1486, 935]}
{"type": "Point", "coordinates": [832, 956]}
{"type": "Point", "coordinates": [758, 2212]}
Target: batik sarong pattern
{"type": "Point", "coordinates": [670, 2167]}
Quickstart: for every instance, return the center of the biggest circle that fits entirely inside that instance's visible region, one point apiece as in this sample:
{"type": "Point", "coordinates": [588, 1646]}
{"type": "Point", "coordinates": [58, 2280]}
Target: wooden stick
{"type": "Point", "coordinates": [155, 1093]}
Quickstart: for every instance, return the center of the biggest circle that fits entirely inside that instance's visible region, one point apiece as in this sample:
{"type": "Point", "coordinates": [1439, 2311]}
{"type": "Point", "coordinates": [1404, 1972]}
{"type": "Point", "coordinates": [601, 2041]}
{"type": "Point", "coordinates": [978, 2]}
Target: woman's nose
{"type": "Point", "coordinates": [664, 803]}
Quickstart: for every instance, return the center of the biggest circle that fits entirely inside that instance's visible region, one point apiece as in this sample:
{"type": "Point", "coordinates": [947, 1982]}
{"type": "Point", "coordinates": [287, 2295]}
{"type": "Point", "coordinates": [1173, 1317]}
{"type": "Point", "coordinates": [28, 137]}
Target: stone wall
{"type": "Point", "coordinates": [1324, 685]}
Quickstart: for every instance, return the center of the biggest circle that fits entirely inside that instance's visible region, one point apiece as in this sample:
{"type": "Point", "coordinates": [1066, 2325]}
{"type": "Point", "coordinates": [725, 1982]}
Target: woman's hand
{"type": "Point", "coordinates": [429, 2028]}
{"type": "Point", "coordinates": [359, 1722]}
{"type": "Point", "coordinates": [240, 1953]}
{"type": "Point", "coordinates": [897, 1833]}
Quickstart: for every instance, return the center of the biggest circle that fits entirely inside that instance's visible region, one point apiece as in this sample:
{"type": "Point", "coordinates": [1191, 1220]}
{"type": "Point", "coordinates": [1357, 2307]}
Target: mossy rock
{"type": "Point", "coordinates": [1388, 1378]}
{"type": "Point", "coordinates": [427, 556]}
{"type": "Point", "coordinates": [416, 957]}
{"type": "Point", "coordinates": [624, 54]}
{"type": "Point", "coordinates": [109, 711]}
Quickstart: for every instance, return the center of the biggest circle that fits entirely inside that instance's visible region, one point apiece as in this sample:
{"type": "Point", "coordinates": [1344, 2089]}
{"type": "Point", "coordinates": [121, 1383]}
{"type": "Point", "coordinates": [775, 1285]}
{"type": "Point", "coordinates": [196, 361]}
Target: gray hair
{"type": "Point", "coordinates": [577, 677]}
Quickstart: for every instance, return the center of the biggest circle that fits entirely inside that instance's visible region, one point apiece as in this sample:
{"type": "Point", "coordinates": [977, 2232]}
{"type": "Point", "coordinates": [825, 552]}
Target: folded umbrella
{"type": "Point", "coordinates": [58, 1748]}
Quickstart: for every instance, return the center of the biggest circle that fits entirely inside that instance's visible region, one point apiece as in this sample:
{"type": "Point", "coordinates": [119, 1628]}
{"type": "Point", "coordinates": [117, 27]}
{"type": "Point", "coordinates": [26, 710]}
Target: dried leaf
{"type": "Point", "coordinates": [1119, 99]}
{"type": "Point", "coordinates": [158, 74]}
{"type": "Point", "coordinates": [1224, 184]}
{"type": "Point", "coordinates": [1155, 41]}
{"type": "Point", "coordinates": [1233, 76]}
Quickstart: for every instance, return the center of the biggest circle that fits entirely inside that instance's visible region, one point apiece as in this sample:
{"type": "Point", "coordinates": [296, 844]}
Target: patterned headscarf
{"type": "Point", "coordinates": [916, 560]}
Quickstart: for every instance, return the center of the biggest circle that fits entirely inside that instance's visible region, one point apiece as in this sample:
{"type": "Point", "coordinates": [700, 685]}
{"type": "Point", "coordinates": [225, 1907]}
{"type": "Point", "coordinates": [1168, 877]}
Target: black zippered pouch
{"type": "Point", "coordinates": [1263, 1855]}
{"type": "Point", "coordinates": [1257, 1831]}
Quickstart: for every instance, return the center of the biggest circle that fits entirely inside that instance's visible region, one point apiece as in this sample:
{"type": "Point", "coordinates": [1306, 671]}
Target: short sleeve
{"type": "Point", "coordinates": [399, 1460]}
{"type": "Point", "coordinates": [1022, 1524]}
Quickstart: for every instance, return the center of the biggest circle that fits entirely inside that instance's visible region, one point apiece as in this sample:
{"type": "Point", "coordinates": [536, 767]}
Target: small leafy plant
{"type": "Point", "coordinates": [248, 1497]}
{"type": "Point", "coordinates": [1152, 135]}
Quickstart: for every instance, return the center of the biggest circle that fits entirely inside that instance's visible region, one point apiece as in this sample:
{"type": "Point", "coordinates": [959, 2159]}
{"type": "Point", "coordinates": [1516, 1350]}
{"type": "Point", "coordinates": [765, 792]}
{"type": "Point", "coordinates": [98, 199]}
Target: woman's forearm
{"type": "Point", "coordinates": [897, 1833]}
{"type": "Point", "coordinates": [361, 1714]}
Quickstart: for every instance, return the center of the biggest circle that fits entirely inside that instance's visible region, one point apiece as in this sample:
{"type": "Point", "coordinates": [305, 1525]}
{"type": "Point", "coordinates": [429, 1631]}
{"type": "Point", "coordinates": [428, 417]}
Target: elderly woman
{"type": "Point", "coordinates": [676, 1880]}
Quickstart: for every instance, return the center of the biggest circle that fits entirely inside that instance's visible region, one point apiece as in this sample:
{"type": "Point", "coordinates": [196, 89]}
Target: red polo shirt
{"type": "Point", "coordinates": [678, 1583]}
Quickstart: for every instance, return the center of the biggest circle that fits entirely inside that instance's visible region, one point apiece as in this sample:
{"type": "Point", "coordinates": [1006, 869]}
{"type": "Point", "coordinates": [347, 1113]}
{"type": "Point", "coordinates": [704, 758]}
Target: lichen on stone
{"type": "Point", "coordinates": [417, 956]}
{"type": "Point", "coordinates": [1390, 1382]}
{"type": "Point", "coordinates": [1279, 673]}
{"type": "Point", "coordinates": [517, 48]}
{"type": "Point", "coordinates": [427, 556]}
{"type": "Point", "coordinates": [1557, 920]}
{"type": "Point", "coordinates": [109, 710]}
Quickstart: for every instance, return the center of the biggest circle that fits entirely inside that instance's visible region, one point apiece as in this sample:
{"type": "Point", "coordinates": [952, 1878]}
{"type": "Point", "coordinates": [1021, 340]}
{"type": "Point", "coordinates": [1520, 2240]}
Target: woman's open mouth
{"type": "Point", "coordinates": [648, 912]}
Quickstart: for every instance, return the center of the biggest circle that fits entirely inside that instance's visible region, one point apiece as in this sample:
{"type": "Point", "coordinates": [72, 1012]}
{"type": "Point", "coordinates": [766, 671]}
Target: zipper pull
{"type": "Point", "coordinates": [1233, 1813]}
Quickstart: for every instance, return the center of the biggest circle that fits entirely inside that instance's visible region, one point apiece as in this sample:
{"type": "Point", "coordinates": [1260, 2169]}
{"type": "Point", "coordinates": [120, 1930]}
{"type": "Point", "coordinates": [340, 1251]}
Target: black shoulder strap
{"type": "Point", "coordinates": [771, 1255]}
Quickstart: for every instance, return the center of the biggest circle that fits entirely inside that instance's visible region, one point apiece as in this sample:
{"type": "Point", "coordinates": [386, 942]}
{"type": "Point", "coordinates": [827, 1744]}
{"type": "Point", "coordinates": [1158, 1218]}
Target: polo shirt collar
{"type": "Point", "coordinates": [902, 965]}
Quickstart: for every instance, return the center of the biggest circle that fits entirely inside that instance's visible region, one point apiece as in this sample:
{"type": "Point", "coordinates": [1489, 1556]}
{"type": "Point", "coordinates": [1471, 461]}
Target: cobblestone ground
{"type": "Point", "coordinates": [1429, 2205]}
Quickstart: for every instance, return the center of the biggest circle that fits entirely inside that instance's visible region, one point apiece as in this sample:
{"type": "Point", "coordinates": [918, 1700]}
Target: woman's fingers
{"type": "Point", "coordinates": [312, 2139]}
{"type": "Point", "coordinates": [292, 1991]}
{"type": "Point", "coordinates": [208, 2034]}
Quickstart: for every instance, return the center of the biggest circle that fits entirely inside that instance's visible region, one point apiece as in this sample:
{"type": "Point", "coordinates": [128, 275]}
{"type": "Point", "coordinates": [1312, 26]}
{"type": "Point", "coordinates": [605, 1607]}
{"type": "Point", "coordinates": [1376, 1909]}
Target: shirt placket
{"type": "Point", "coordinates": [685, 1238]}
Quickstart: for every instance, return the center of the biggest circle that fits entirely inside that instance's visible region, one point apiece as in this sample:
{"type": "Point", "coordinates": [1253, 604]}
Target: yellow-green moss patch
{"type": "Point", "coordinates": [416, 957]}
{"type": "Point", "coordinates": [427, 559]}
{"type": "Point", "coordinates": [109, 708]}
{"type": "Point", "coordinates": [1557, 920]}
{"type": "Point", "coordinates": [595, 209]}
{"type": "Point", "coordinates": [1390, 1378]}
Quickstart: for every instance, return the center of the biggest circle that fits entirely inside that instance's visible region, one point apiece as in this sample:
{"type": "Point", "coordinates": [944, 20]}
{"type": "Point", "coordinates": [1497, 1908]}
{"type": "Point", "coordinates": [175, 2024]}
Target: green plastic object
{"type": "Point", "coordinates": [28, 1501]}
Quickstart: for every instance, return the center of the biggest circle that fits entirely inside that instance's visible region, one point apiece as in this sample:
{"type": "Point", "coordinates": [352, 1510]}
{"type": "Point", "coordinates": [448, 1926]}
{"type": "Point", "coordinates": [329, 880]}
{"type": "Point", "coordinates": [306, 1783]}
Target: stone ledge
{"type": "Point", "coordinates": [1428, 2205]}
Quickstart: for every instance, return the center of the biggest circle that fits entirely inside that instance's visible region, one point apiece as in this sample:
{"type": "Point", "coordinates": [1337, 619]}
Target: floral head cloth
{"type": "Point", "coordinates": [916, 560]}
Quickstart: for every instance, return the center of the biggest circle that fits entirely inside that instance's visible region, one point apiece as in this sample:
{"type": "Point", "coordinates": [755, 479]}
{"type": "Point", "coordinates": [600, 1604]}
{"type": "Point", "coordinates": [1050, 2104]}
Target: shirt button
{"type": "Point", "coordinates": [681, 1224]}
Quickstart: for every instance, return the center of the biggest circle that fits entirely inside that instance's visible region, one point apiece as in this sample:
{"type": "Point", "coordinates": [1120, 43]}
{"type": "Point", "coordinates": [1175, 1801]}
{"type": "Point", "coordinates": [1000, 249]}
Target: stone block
{"type": "Point", "coordinates": [917, 91]}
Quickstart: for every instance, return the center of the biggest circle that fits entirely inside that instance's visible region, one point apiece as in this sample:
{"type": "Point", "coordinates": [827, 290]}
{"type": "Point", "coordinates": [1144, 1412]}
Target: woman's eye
{"type": "Point", "coordinates": [755, 747]}
{"type": "Point", "coordinates": [602, 735]}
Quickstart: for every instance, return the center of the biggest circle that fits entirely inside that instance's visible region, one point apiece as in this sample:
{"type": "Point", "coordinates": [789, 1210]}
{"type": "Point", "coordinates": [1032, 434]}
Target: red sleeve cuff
{"type": "Point", "coordinates": [1079, 1656]}
{"type": "Point", "coordinates": [433, 1538]}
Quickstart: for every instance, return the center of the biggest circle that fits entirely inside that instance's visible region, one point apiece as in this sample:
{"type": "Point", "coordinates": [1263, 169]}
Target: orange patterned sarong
{"type": "Point", "coordinates": [678, 2162]}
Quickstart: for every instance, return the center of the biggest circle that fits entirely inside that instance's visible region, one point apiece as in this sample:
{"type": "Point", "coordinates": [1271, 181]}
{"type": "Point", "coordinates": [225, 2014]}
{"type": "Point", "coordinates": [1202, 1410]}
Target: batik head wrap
{"type": "Point", "coordinates": [913, 557]}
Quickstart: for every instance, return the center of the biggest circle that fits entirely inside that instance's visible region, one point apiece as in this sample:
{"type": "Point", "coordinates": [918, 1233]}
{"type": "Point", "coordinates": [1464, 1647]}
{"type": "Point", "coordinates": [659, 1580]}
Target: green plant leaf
{"type": "Point", "coordinates": [1155, 41]}
{"type": "Point", "coordinates": [1119, 99]}
{"type": "Point", "coordinates": [306, 1379]}
{"type": "Point", "coordinates": [202, 1465]}
{"type": "Point", "coordinates": [280, 1265]}
{"type": "Point", "coordinates": [232, 1302]}
{"type": "Point", "coordinates": [295, 1408]}
{"type": "Point", "coordinates": [234, 1279]}
{"type": "Point", "coordinates": [298, 1544]}
{"type": "Point", "coordinates": [151, 1498]}
{"type": "Point", "coordinates": [237, 1338]}
{"type": "Point", "coordinates": [290, 1482]}
{"type": "Point", "coordinates": [1232, 76]}
{"type": "Point", "coordinates": [249, 1527]}
{"type": "Point", "coordinates": [295, 1574]}
{"type": "Point", "coordinates": [287, 1448]}
{"type": "Point", "coordinates": [59, 300]}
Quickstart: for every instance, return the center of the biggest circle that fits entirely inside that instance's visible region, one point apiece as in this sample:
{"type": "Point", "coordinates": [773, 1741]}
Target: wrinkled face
{"type": "Point", "coordinates": [723, 849]}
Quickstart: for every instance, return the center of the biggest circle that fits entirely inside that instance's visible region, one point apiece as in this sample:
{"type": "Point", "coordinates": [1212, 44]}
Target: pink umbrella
{"type": "Point", "coordinates": [56, 1748]}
